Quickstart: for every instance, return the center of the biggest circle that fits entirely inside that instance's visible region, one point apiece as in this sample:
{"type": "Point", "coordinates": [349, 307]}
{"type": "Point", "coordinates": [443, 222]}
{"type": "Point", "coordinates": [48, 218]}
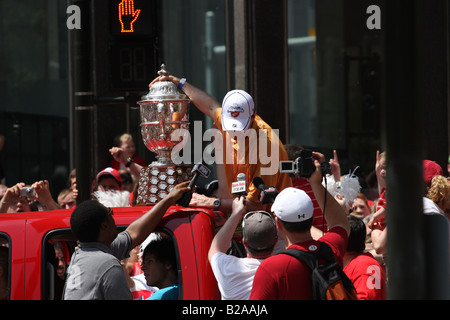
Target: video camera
{"type": "Point", "coordinates": [303, 166]}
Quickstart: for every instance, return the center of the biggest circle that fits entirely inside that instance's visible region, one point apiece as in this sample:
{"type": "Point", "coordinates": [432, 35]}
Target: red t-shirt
{"type": "Point", "coordinates": [368, 277]}
{"type": "Point", "coordinates": [318, 219]}
{"type": "Point", "coordinates": [282, 277]}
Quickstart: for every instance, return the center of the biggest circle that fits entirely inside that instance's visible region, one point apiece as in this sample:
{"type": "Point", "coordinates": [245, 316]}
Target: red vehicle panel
{"type": "Point", "coordinates": [28, 236]}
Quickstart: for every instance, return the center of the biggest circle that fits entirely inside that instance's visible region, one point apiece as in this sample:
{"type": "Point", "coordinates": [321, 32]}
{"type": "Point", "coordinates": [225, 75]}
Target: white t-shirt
{"type": "Point", "coordinates": [429, 207]}
{"type": "Point", "coordinates": [234, 275]}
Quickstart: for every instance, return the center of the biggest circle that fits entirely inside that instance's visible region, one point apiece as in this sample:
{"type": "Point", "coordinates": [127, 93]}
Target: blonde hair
{"type": "Point", "coordinates": [126, 137]}
{"type": "Point", "coordinates": [63, 193]}
{"type": "Point", "coordinates": [439, 190]}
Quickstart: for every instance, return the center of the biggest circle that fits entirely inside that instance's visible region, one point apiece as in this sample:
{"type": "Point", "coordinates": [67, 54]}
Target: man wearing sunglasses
{"type": "Point", "coordinates": [235, 275]}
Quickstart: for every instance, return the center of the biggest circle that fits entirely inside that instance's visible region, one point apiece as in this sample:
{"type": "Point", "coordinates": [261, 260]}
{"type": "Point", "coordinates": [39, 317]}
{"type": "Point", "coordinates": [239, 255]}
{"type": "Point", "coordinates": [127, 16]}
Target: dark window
{"type": "Point", "coordinates": [5, 266]}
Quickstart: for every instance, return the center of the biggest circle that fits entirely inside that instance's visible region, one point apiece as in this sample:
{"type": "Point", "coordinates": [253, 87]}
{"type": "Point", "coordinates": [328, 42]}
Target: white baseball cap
{"type": "Point", "coordinates": [237, 111]}
{"type": "Point", "coordinates": [293, 205]}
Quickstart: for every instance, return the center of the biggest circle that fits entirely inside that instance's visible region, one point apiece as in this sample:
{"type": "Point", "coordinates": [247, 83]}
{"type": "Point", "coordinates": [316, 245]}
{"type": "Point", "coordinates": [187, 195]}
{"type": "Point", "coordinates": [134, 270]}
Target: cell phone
{"type": "Point", "coordinates": [28, 192]}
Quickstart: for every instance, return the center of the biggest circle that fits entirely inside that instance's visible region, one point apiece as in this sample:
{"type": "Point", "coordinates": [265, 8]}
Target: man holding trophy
{"type": "Point", "coordinates": [164, 109]}
{"type": "Point", "coordinates": [234, 117]}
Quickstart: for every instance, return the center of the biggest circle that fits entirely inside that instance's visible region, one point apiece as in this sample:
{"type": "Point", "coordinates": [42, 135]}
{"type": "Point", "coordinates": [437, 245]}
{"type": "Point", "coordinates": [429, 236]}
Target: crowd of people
{"type": "Point", "coordinates": [308, 213]}
{"type": "Point", "coordinates": [116, 177]}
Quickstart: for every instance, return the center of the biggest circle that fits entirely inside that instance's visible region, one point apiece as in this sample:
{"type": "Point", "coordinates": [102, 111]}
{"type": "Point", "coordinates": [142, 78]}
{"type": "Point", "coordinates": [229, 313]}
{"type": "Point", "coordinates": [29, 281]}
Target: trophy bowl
{"type": "Point", "coordinates": [163, 110]}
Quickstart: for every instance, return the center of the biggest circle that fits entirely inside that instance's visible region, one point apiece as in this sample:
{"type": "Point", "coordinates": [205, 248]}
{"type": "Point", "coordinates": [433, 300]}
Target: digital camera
{"type": "Point", "coordinates": [28, 192]}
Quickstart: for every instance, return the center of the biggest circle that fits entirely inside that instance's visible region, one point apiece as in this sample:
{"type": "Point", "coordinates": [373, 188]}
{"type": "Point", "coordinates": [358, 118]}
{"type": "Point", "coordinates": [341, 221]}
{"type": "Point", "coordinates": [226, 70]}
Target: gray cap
{"type": "Point", "coordinates": [259, 230]}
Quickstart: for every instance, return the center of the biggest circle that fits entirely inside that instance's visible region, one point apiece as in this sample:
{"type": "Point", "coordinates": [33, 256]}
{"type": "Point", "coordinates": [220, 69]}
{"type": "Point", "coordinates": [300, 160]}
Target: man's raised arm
{"type": "Point", "coordinates": [202, 100]}
{"type": "Point", "coordinates": [146, 224]}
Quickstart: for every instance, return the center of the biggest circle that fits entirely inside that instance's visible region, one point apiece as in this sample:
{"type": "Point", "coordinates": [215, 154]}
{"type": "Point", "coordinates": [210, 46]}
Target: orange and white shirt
{"type": "Point", "coordinates": [259, 156]}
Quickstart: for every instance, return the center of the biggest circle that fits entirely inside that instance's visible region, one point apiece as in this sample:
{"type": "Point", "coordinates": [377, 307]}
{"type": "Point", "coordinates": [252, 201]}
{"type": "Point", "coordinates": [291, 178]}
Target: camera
{"type": "Point", "coordinates": [27, 192]}
{"type": "Point", "coordinates": [303, 166]}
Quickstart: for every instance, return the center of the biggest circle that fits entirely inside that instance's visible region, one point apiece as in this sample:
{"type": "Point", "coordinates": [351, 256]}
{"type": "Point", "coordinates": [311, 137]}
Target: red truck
{"type": "Point", "coordinates": [29, 237]}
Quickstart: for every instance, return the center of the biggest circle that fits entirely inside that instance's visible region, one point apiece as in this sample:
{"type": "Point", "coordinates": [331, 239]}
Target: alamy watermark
{"type": "Point", "coordinates": [374, 20]}
{"type": "Point", "coordinates": [74, 18]}
{"type": "Point", "coordinates": [374, 279]}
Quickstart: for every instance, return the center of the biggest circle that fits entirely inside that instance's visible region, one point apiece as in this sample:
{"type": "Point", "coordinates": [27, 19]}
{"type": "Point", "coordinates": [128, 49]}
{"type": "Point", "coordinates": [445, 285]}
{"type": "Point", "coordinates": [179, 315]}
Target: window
{"type": "Point", "coordinates": [59, 245]}
{"type": "Point", "coordinates": [303, 111]}
{"type": "Point", "coordinates": [5, 266]}
{"type": "Point", "coordinates": [57, 249]}
{"type": "Point", "coordinates": [194, 48]}
{"type": "Point", "coordinates": [335, 84]}
{"type": "Point", "coordinates": [33, 63]}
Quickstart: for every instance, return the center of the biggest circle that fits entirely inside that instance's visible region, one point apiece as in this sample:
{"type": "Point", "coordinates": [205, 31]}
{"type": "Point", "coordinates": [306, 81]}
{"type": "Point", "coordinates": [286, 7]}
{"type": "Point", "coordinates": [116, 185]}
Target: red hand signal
{"type": "Point", "coordinates": [127, 15]}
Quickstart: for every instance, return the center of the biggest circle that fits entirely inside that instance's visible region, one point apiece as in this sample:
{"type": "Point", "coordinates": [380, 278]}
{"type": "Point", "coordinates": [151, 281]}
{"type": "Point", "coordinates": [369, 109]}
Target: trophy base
{"type": "Point", "coordinates": [157, 180]}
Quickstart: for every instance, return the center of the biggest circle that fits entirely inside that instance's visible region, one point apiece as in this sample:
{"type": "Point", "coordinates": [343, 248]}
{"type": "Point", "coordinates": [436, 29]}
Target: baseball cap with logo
{"type": "Point", "coordinates": [237, 111]}
{"type": "Point", "coordinates": [293, 205]}
{"type": "Point", "coordinates": [110, 172]}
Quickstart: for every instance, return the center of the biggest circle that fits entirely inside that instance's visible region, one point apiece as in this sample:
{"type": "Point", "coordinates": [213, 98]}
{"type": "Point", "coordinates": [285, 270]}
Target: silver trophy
{"type": "Point", "coordinates": [163, 110]}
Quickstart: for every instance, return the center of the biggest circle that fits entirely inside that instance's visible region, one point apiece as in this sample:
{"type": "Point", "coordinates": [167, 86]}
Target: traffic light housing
{"type": "Point", "coordinates": [125, 45]}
